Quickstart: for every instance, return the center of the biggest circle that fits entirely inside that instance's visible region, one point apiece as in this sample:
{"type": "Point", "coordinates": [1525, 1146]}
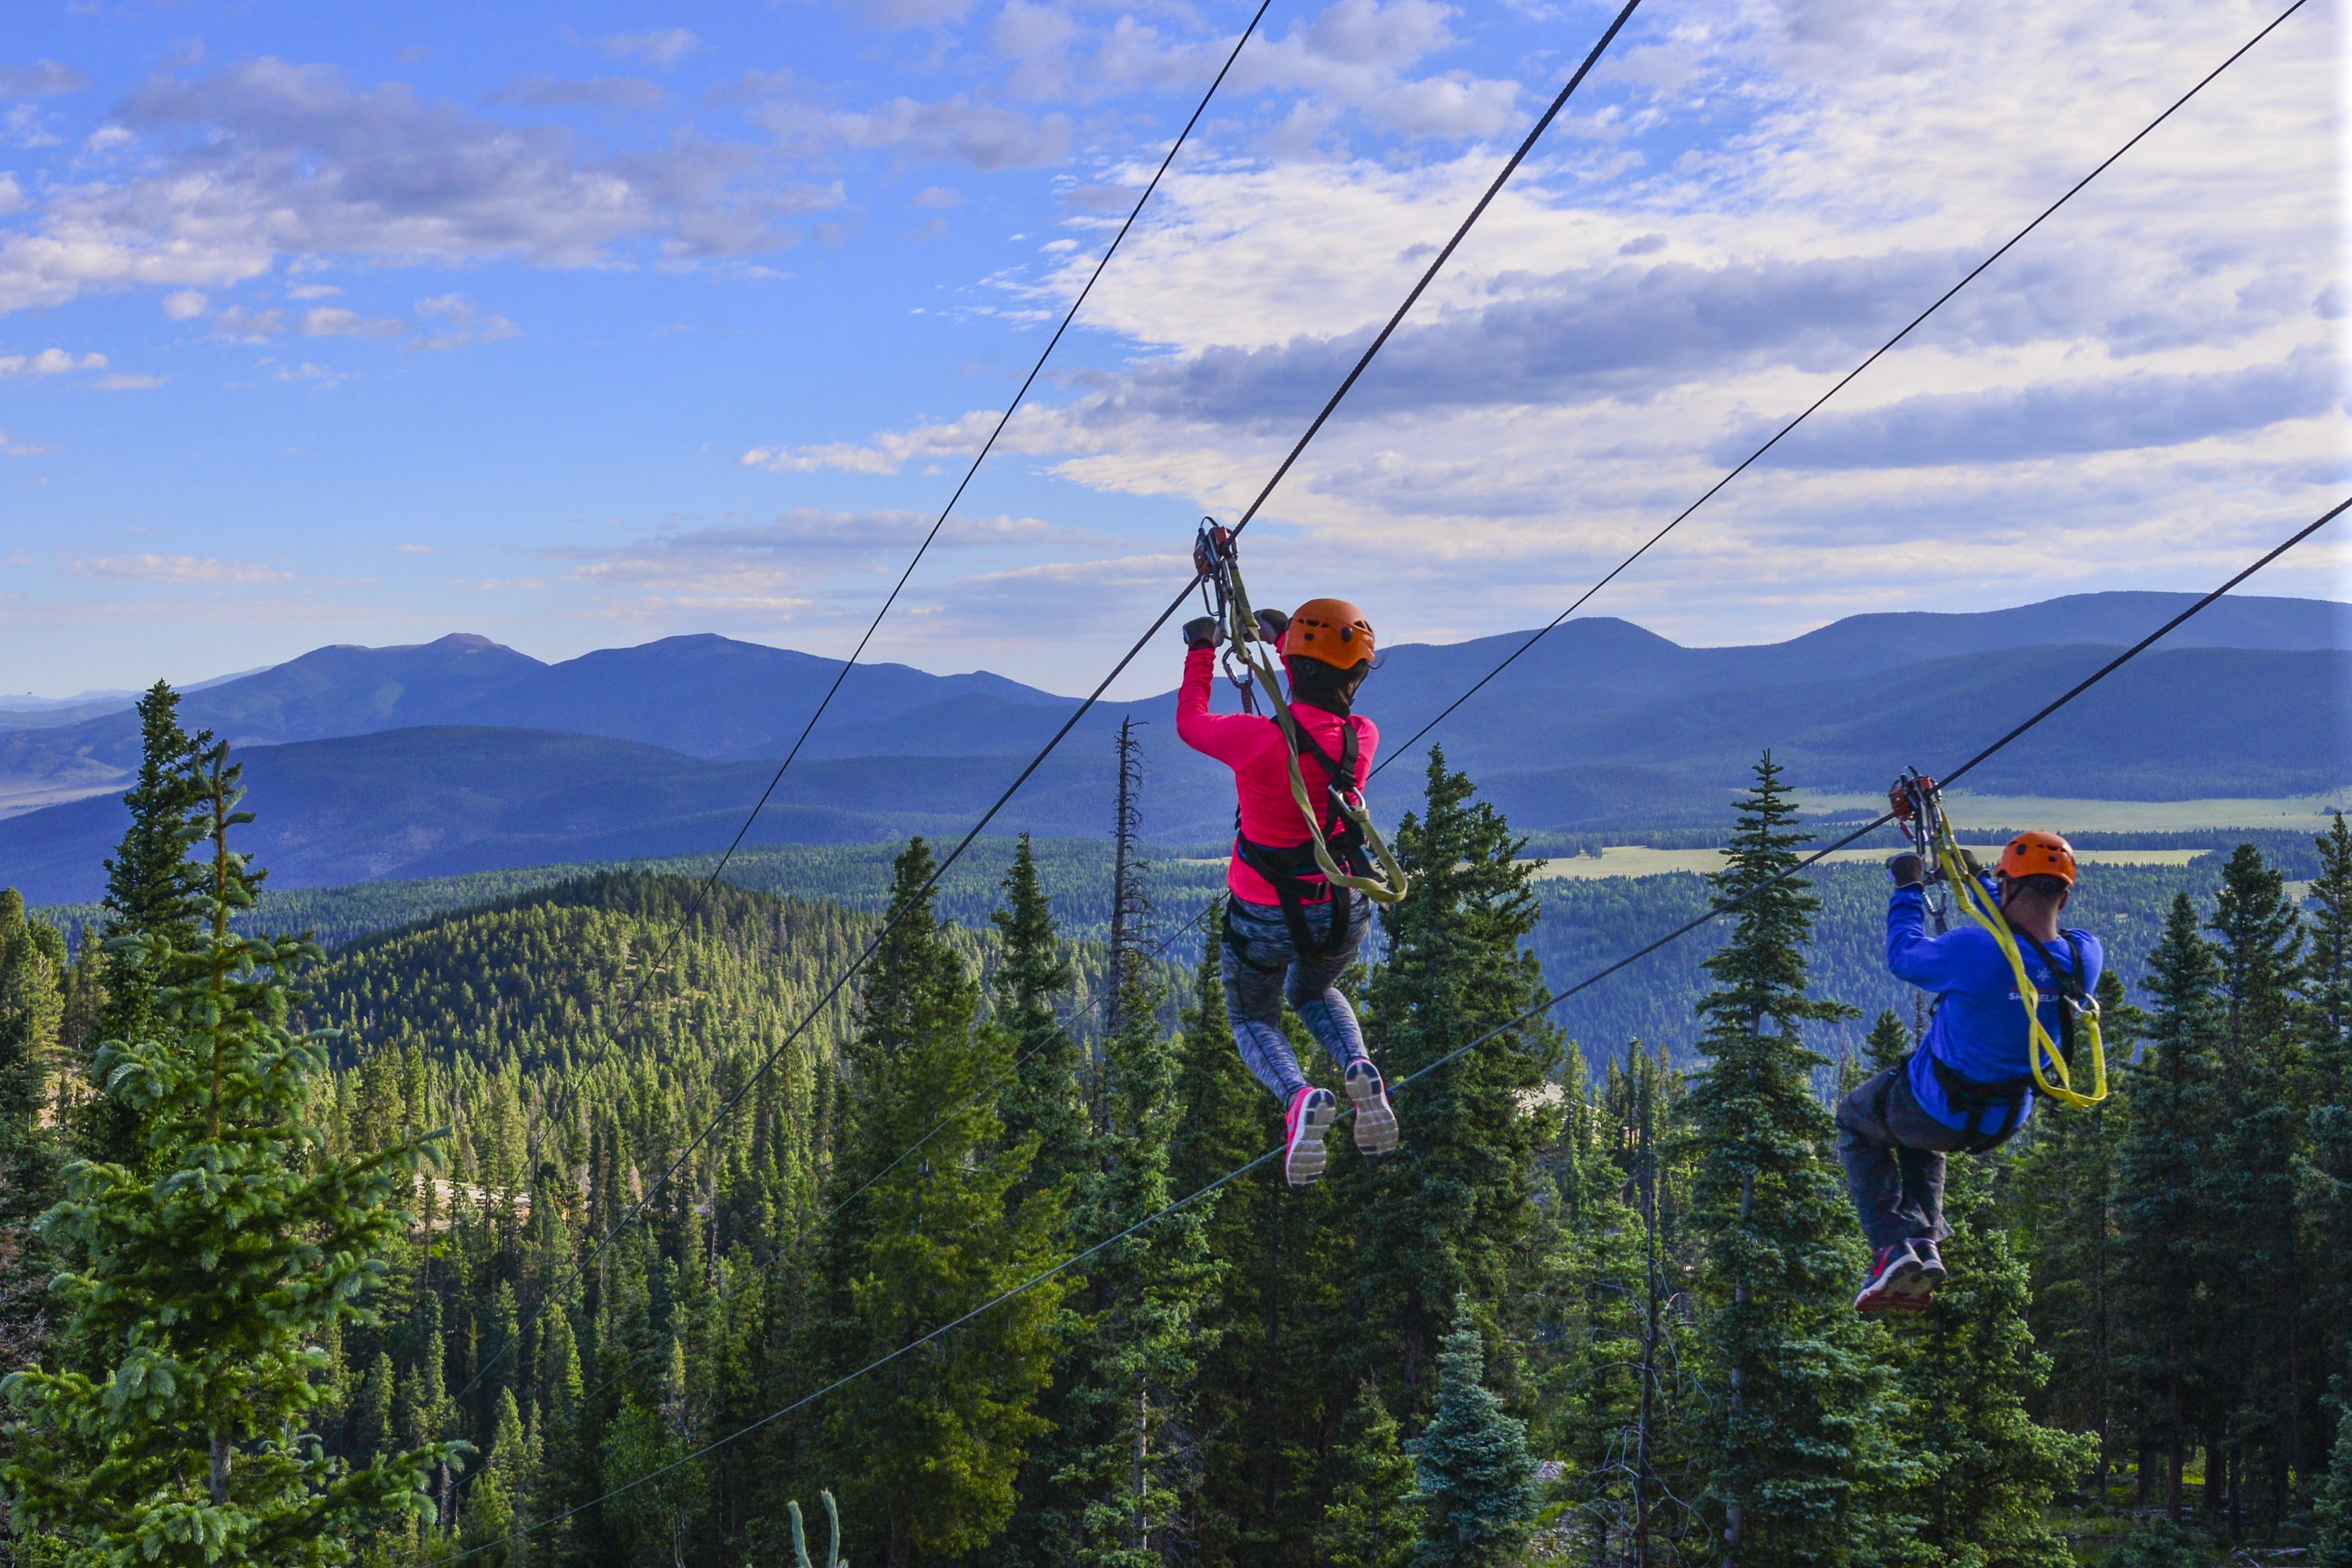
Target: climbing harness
{"type": "Point", "coordinates": [1350, 829]}
{"type": "Point", "coordinates": [1919, 807]}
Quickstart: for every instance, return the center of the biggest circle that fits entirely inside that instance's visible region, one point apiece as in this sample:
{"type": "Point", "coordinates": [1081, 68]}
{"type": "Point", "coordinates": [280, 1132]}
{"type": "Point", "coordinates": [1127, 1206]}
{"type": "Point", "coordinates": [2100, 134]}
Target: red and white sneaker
{"type": "Point", "coordinates": [1312, 1111]}
{"type": "Point", "coordinates": [1896, 1282]}
{"type": "Point", "coordinates": [1376, 1123]}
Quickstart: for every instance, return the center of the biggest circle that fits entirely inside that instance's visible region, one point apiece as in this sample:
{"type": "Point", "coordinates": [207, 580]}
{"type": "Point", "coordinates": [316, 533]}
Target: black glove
{"type": "Point", "coordinates": [1975, 868]}
{"type": "Point", "coordinates": [1203, 631]}
{"type": "Point", "coordinates": [1907, 869]}
{"type": "Point", "coordinates": [1271, 624]}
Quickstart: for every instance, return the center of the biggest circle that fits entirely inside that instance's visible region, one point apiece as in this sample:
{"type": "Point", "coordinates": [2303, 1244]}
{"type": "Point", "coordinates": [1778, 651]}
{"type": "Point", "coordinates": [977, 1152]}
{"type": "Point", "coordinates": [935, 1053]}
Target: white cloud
{"type": "Point", "coordinates": [597, 92]}
{"type": "Point", "coordinates": [665, 47]}
{"type": "Point", "coordinates": [264, 159]}
{"type": "Point", "coordinates": [331, 321]}
{"type": "Point", "coordinates": [125, 382]}
{"type": "Point", "coordinates": [185, 305]}
{"type": "Point", "coordinates": [42, 78]}
{"type": "Point", "coordinates": [49, 361]}
{"type": "Point", "coordinates": [983, 135]}
{"type": "Point", "coordinates": [179, 571]}
{"type": "Point", "coordinates": [18, 448]}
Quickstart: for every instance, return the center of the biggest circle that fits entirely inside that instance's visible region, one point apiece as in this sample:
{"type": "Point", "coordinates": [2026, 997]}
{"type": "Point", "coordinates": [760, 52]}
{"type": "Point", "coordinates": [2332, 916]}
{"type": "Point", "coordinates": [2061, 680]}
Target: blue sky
{"type": "Point", "coordinates": [584, 328]}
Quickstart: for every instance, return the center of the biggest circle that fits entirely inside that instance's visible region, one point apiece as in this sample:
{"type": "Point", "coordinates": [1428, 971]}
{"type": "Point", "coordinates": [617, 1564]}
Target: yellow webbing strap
{"type": "Point", "coordinates": [1391, 885]}
{"type": "Point", "coordinates": [2041, 1048]}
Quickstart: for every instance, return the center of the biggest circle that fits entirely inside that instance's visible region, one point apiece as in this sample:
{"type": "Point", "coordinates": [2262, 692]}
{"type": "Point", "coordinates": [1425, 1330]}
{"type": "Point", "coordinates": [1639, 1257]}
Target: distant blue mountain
{"type": "Point", "coordinates": [461, 754]}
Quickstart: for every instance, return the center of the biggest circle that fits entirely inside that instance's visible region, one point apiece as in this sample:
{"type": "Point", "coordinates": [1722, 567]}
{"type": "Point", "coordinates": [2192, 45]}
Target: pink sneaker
{"type": "Point", "coordinates": [1311, 1111]}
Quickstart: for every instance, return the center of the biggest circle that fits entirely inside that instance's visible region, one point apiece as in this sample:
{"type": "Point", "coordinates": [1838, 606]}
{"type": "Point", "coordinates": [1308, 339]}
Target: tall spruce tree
{"type": "Point", "coordinates": [1264, 1377]}
{"type": "Point", "coordinates": [2326, 1026]}
{"type": "Point", "coordinates": [214, 1270]}
{"type": "Point", "coordinates": [154, 903]}
{"type": "Point", "coordinates": [2165, 1334]}
{"type": "Point", "coordinates": [1369, 1521]}
{"type": "Point", "coordinates": [1793, 1380]}
{"type": "Point", "coordinates": [1475, 1481]}
{"type": "Point", "coordinates": [1442, 1216]}
{"type": "Point", "coordinates": [1045, 1100]}
{"type": "Point", "coordinates": [33, 968]}
{"type": "Point", "coordinates": [1983, 1474]}
{"type": "Point", "coordinates": [2061, 1196]}
{"type": "Point", "coordinates": [927, 1446]}
{"type": "Point", "coordinates": [2266, 1373]}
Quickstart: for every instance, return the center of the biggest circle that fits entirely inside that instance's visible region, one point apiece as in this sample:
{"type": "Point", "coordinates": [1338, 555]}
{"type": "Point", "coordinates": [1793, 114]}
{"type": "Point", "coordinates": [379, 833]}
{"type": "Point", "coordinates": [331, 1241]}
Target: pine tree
{"type": "Point", "coordinates": [217, 1277]}
{"type": "Point", "coordinates": [1045, 1101]}
{"type": "Point", "coordinates": [154, 899]}
{"type": "Point", "coordinates": [2247, 1189]}
{"type": "Point", "coordinates": [1369, 1521]}
{"type": "Point", "coordinates": [929, 1444]}
{"type": "Point", "coordinates": [1441, 1215]}
{"type": "Point", "coordinates": [2163, 1330]}
{"type": "Point", "coordinates": [1888, 1044]}
{"type": "Point", "coordinates": [1475, 1481]}
{"type": "Point", "coordinates": [1791, 1377]}
{"type": "Point", "coordinates": [32, 1006]}
{"type": "Point", "coordinates": [497, 1517]}
{"type": "Point", "coordinates": [2062, 1195]}
{"type": "Point", "coordinates": [2325, 1018]}
{"type": "Point", "coordinates": [2331, 1543]}
{"type": "Point", "coordinates": [1984, 1475]}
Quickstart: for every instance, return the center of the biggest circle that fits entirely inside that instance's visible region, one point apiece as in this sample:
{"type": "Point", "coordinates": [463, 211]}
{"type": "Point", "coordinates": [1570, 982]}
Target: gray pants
{"type": "Point", "coordinates": [1892, 1152]}
{"type": "Point", "coordinates": [1268, 968]}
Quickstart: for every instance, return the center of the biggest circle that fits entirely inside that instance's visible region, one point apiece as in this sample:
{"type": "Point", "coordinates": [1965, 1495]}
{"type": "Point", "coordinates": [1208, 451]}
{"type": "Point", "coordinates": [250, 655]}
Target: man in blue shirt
{"type": "Point", "coordinates": [1968, 1087]}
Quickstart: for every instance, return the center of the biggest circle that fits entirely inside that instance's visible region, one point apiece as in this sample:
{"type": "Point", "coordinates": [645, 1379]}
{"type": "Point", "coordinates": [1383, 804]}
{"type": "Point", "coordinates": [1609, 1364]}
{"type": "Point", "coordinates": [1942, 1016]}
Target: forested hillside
{"type": "Point", "coordinates": [994, 1252]}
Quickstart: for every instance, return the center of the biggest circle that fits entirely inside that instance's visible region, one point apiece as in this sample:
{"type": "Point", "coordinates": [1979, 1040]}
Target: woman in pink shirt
{"type": "Point", "coordinates": [1287, 931]}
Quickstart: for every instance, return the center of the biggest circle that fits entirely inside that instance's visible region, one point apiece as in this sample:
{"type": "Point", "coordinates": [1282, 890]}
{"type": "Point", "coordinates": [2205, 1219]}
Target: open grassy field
{"type": "Point", "coordinates": [1639, 860]}
{"type": "Point", "coordinates": [2307, 813]}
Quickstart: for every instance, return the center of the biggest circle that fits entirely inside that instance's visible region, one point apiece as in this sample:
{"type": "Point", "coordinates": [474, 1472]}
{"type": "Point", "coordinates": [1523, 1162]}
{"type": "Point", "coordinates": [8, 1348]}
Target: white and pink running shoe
{"type": "Point", "coordinates": [1376, 1123]}
{"type": "Point", "coordinates": [1312, 1111]}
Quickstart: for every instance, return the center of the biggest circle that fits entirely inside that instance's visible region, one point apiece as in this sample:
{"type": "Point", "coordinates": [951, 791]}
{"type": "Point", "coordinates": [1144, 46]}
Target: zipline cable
{"type": "Point", "coordinates": [1723, 908]}
{"type": "Point", "coordinates": [2072, 192]}
{"type": "Point", "coordinates": [1085, 707]}
{"type": "Point", "coordinates": [977, 459]}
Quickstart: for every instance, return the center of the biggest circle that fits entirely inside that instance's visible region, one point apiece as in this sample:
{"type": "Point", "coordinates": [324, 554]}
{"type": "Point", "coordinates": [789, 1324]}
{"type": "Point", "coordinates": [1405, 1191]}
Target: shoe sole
{"type": "Point", "coordinates": [1376, 1123]}
{"type": "Point", "coordinates": [1303, 1162]}
{"type": "Point", "coordinates": [1901, 1290]}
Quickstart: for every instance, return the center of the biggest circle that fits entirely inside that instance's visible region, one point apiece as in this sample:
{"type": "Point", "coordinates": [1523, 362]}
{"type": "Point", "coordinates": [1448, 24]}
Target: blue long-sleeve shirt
{"type": "Point", "coordinates": [1979, 1030]}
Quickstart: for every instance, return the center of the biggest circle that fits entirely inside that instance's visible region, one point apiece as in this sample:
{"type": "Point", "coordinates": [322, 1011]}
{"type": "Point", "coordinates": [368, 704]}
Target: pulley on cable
{"type": "Point", "coordinates": [1216, 556]}
{"type": "Point", "coordinates": [1918, 809]}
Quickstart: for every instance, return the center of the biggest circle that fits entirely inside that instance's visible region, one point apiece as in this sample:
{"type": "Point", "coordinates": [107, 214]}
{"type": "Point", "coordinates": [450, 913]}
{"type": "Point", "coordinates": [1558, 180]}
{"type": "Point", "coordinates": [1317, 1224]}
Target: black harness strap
{"type": "Point", "coordinates": [1974, 1100]}
{"type": "Point", "coordinates": [1287, 867]}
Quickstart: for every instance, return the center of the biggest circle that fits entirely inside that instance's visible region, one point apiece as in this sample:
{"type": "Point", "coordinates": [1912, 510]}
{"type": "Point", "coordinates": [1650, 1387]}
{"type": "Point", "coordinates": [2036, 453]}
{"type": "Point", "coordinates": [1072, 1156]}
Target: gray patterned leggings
{"type": "Point", "coordinates": [1268, 969]}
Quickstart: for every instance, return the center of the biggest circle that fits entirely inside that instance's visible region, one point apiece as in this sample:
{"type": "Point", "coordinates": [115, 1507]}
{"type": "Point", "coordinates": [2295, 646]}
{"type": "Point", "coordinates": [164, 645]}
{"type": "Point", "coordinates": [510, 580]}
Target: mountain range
{"type": "Point", "coordinates": [463, 754]}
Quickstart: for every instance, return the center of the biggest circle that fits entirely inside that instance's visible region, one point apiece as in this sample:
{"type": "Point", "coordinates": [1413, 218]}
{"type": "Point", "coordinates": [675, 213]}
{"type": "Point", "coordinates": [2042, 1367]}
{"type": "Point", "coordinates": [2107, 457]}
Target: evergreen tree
{"type": "Point", "coordinates": [154, 901]}
{"type": "Point", "coordinates": [2267, 1382]}
{"type": "Point", "coordinates": [2331, 1544]}
{"type": "Point", "coordinates": [1366, 1523]}
{"type": "Point", "coordinates": [2062, 1192]}
{"type": "Point", "coordinates": [929, 1444]}
{"type": "Point", "coordinates": [1983, 1474]}
{"type": "Point", "coordinates": [2164, 1328]}
{"type": "Point", "coordinates": [1792, 1380]}
{"type": "Point", "coordinates": [372, 1432]}
{"type": "Point", "coordinates": [32, 1006]}
{"type": "Point", "coordinates": [498, 1519]}
{"type": "Point", "coordinates": [1475, 1481]}
{"type": "Point", "coordinates": [2326, 1029]}
{"type": "Point", "coordinates": [1442, 1216]}
{"type": "Point", "coordinates": [217, 1277]}
{"type": "Point", "coordinates": [1044, 1103]}
{"type": "Point", "coordinates": [1888, 1043]}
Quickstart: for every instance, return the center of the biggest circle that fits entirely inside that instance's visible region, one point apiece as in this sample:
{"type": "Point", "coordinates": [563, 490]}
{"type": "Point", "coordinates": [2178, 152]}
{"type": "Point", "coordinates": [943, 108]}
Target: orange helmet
{"type": "Point", "coordinates": [1331, 630]}
{"type": "Point", "coordinates": [2038, 855]}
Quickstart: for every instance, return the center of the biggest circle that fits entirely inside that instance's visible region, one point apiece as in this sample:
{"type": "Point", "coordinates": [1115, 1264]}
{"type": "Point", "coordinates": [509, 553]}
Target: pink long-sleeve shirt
{"type": "Point", "coordinates": [1253, 749]}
